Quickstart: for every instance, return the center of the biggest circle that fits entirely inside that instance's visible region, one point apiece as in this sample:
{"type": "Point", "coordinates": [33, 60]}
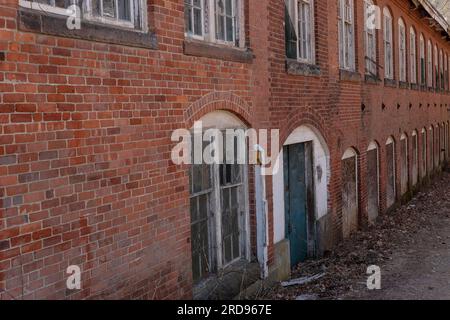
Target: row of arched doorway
{"type": "Point", "coordinates": [390, 172]}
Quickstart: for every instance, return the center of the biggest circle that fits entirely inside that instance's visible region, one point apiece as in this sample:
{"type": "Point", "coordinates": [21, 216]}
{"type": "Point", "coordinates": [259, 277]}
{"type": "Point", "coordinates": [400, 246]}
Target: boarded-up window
{"type": "Point", "coordinates": [372, 183]}
{"type": "Point", "coordinates": [415, 159]}
{"type": "Point", "coordinates": [390, 166]}
{"type": "Point", "coordinates": [349, 194]}
{"type": "Point", "coordinates": [436, 147]}
{"type": "Point", "coordinates": [447, 138]}
{"type": "Point", "coordinates": [431, 150]}
{"type": "Point", "coordinates": [424, 153]}
{"type": "Point", "coordinates": [404, 164]}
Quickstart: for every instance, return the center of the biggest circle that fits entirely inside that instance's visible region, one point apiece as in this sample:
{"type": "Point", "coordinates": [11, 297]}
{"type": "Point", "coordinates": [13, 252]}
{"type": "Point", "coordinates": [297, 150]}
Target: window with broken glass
{"type": "Point", "coordinates": [423, 75]}
{"type": "Point", "coordinates": [218, 205]}
{"type": "Point", "coordinates": [121, 13]}
{"type": "Point", "coordinates": [412, 56]}
{"type": "Point", "coordinates": [346, 35]}
{"type": "Point", "coordinates": [388, 54]}
{"type": "Point", "coordinates": [370, 40]}
{"type": "Point", "coordinates": [402, 50]}
{"type": "Point", "coordinates": [217, 21]}
{"type": "Point", "coordinates": [430, 64]}
{"type": "Point", "coordinates": [299, 25]}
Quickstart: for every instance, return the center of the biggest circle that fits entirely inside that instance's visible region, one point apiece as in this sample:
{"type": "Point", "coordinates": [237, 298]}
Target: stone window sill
{"type": "Point", "coordinates": [216, 51]}
{"type": "Point", "coordinates": [52, 24]}
{"type": "Point", "coordinates": [403, 85]}
{"type": "Point", "coordinates": [390, 83]}
{"type": "Point", "coordinates": [295, 67]}
{"type": "Point", "coordinates": [346, 75]}
{"type": "Point", "coordinates": [371, 79]}
{"type": "Point", "coordinates": [414, 86]}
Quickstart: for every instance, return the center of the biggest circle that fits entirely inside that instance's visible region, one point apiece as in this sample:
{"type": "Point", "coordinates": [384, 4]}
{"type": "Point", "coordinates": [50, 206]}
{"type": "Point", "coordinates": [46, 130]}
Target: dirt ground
{"type": "Point", "coordinates": [410, 245]}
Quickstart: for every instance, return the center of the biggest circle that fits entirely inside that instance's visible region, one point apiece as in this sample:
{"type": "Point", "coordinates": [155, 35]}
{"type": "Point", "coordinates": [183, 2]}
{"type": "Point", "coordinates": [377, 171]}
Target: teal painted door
{"type": "Point", "coordinates": [295, 185]}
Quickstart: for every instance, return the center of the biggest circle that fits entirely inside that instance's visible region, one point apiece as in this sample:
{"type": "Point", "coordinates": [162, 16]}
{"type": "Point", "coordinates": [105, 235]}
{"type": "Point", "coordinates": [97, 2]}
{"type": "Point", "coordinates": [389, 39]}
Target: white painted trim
{"type": "Point", "coordinates": [349, 153]}
{"type": "Point", "coordinates": [372, 145]}
{"type": "Point", "coordinates": [389, 140]}
{"type": "Point", "coordinates": [321, 172]}
{"type": "Point", "coordinates": [44, 7]}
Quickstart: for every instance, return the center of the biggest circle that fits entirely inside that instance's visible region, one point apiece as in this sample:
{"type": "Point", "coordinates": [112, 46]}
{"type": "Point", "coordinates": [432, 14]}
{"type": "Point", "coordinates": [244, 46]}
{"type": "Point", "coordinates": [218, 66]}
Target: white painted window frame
{"type": "Point", "coordinates": [413, 55]}
{"type": "Point", "coordinates": [436, 66]}
{"type": "Point", "coordinates": [89, 16]}
{"type": "Point", "coordinates": [441, 70]}
{"type": "Point", "coordinates": [215, 210]}
{"type": "Point", "coordinates": [44, 7]}
{"type": "Point", "coordinates": [430, 64]}
{"type": "Point", "coordinates": [209, 27]}
{"type": "Point", "coordinates": [401, 50]}
{"type": "Point", "coordinates": [388, 45]}
{"type": "Point", "coordinates": [446, 78]}
{"type": "Point", "coordinates": [370, 42]}
{"type": "Point", "coordinates": [423, 73]}
{"type": "Point", "coordinates": [346, 20]}
{"type": "Point", "coordinates": [309, 56]}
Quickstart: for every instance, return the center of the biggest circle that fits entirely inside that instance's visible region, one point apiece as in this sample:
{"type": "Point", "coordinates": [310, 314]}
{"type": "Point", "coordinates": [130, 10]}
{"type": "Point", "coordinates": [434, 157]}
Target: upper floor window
{"type": "Point", "coordinates": [388, 55]}
{"type": "Point", "coordinates": [422, 61]}
{"type": "Point", "coordinates": [402, 50]}
{"type": "Point", "coordinates": [299, 23]}
{"type": "Point", "coordinates": [441, 68]}
{"type": "Point", "coordinates": [216, 21]}
{"type": "Point", "coordinates": [446, 72]}
{"type": "Point", "coordinates": [413, 56]}
{"type": "Point", "coordinates": [370, 40]}
{"type": "Point", "coordinates": [346, 35]}
{"type": "Point", "coordinates": [121, 13]}
{"type": "Point", "coordinates": [430, 64]}
{"type": "Point", "coordinates": [436, 67]}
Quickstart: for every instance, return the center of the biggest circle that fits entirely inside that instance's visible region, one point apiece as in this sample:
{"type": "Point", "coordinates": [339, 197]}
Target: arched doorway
{"type": "Point", "coordinates": [373, 181]}
{"type": "Point", "coordinates": [300, 192]}
{"type": "Point", "coordinates": [349, 188]}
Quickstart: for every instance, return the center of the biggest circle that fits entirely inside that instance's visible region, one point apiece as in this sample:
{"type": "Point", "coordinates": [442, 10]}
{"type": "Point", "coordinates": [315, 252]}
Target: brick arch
{"type": "Point", "coordinates": [216, 101]}
{"type": "Point", "coordinates": [308, 117]}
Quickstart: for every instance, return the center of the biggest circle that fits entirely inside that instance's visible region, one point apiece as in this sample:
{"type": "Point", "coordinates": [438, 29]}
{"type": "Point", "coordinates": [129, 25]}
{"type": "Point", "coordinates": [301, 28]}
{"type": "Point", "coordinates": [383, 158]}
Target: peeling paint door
{"type": "Point", "coordinates": [298, 199]}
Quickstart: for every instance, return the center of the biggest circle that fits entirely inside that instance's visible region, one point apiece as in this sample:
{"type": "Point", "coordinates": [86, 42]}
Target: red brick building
{"type": "Point", "coordinates": [90, 98]}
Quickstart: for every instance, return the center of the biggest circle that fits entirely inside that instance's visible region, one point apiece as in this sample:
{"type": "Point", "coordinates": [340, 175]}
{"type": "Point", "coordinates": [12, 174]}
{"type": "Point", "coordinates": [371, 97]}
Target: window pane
{"type": "Point", "coordinates": [49, 2]}
{"type": "Point", "coordinates": [124, 10]}
{"type": "Point", "coordinates": [229, 8]}
{"type": "Point", "coordinates": [109, 8]}
{"type": "Point", "coordinates": [61, 3]}
{"type": "Point", "coordinates": [96, 7]}
{"type": "Point", "coordinates": [220, 28]}
{"type": "Point", "coordinates": [194, 209]}
{"type": "Point", "coordinates": [200, 250]}
{"type": "Point", "coordinates": [203, 207]}
{"type": "Point", "coordinates": [187, 16]}
{"type": "Point", "coordinates": [197, 21]}
{"type": "Point", "coordinates": [229, 26]}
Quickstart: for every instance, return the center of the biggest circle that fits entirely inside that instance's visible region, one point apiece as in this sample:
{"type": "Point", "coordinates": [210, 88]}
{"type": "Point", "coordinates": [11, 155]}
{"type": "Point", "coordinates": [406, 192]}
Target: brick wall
{"type": "Point", "coordinates": [85, 126]}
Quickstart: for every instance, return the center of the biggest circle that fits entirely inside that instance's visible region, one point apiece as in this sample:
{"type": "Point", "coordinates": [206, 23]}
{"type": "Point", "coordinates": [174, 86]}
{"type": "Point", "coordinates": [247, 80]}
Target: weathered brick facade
{"type": "Point", "coordinates": [86, 176]}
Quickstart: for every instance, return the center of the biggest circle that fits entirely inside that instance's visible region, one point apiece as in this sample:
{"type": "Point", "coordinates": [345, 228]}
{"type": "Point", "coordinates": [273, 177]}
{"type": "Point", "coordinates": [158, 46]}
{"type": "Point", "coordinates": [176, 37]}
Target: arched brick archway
{"type": "Point", "coordinates": [309, 117]}
{"type": "Point", "coordinates": [215, 101]}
